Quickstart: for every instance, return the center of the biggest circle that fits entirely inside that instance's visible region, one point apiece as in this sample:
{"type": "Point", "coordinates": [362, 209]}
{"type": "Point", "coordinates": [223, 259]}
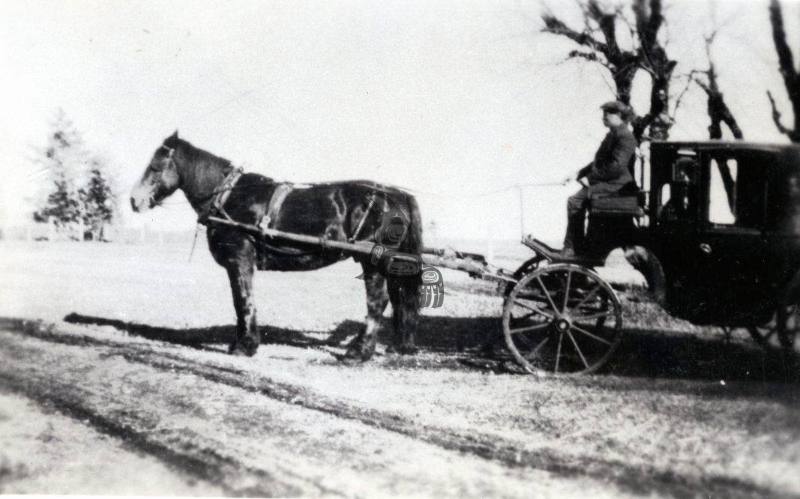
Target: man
{"type": "Point", "coordinates": [611, 169]}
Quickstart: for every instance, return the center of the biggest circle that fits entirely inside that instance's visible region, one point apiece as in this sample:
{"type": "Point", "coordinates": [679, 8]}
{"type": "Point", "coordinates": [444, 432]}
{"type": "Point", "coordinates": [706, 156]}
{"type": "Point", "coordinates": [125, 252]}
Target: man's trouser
{"type": "Point", "coordinates": [577, 205]}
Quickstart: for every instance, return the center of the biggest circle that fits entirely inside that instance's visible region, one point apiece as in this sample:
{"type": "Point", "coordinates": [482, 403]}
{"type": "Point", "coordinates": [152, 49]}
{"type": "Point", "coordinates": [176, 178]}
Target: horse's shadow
{"type": "Point", "coordinates": [642, 353]}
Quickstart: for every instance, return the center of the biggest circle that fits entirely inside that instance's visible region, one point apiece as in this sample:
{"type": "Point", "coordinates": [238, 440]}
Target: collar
{"type": "Point", "coordinates": [221, 195]}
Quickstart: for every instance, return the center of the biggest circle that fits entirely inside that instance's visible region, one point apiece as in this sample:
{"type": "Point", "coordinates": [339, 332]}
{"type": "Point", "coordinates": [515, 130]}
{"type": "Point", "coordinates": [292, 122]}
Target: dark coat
{"type": "Point", "coordinates": [613, 162]}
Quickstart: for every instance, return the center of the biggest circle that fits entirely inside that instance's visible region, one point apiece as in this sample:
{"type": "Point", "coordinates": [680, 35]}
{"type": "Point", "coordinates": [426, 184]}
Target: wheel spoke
{"type": "Point", "coordinates": [558, 351]}
{"type": "Point", "coordinates": [535, 327]}
{"type": "Point", "coordinates": [589, 296]}
{"type": "Point", "coordinates": [538, 347]}
{"type": "Point", "coordinates": [590, 335]}
{"type": "Point", "coordinates": [547, 294]}
{"type": "Point", "coordinates": [534, 309]}
{"type": "Point", "coordinates": [578, 349]}
{"type": "Point", "coordinates": [523, 340]}
{"type": "Point", "coordinates": [566, 293]}
{"type": "Point", "coordinates": [598, 315]}
{"type": "Point", "coordinates": [524, 317]}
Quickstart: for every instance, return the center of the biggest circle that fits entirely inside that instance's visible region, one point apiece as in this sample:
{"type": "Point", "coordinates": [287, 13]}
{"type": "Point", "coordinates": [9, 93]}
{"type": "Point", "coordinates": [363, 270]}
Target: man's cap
{"type": "Point", "coordinates": [617, 107]}
{"type": "Point", "coordinates": [624, 110]}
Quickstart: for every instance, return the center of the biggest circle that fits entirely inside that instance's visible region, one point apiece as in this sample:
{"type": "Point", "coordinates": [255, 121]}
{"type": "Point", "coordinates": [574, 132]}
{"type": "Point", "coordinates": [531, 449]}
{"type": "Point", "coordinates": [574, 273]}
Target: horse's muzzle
{"type": "Point", "coordinates": [141, 199]}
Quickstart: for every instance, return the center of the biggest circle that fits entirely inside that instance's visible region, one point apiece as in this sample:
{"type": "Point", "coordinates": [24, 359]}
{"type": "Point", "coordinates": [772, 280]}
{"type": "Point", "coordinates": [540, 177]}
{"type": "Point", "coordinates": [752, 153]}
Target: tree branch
{"type": "Point", "coordinates": [785, 58]}
{"type": "Point", "coordinates": [607, 23]}
{"type": "Point", "coordinates": [589, 56]}
{"type": "Point", "coordinates": [678, 100]}
{"type": "Point", "coordinates": [791, 79]}
{"type": "Point", "coordinates": [776, 116]}
{"type": "Point", "coordinates": [555, 26]}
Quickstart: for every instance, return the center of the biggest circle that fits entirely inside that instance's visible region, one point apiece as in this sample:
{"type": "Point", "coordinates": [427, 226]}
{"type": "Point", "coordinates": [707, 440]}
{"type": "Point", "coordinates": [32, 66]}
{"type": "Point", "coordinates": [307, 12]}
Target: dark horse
{"type": "Point", "coordinates": [345, 211]}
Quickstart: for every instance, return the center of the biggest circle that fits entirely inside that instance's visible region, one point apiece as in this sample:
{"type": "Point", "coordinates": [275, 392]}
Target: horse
{"type": "Point", "coordinates": [345, 211]}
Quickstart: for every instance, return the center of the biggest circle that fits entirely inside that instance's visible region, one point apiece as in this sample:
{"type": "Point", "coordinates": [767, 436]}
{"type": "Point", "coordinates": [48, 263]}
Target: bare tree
{"type": "Point", "coordinates": [791, 79]}
{"type": "Point", "coordinates": [718, 111]}
{"type": "Point", "coordinates": [653, 59]}
{"type": "Point", "coordinates": [599, 43]}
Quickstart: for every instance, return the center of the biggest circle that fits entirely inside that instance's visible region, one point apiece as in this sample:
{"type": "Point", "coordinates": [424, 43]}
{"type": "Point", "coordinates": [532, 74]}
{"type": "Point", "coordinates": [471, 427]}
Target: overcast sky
{"type": "Point", "coordinates": [448, 98]}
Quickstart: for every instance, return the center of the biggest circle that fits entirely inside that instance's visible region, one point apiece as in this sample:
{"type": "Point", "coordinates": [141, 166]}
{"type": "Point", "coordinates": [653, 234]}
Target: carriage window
{"type": "Point", "coordinates": [737, 193]}
{"type": "Point", "coordinates": [677, 197]}
{"type": "Point", "coordinates": [751, 193]}
{"type": "Point", "coordinates": [722, 192]}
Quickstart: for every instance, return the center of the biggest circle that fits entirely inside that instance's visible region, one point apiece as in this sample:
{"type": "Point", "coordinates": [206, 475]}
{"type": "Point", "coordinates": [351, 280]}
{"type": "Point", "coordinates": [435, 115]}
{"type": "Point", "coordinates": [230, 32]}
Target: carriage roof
{"type": "Point", "coordinates": [790, 152]}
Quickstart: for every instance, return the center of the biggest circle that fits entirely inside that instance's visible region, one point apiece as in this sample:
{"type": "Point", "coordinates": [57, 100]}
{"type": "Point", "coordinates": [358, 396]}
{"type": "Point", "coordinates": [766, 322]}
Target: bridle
{"type": "Point", "coordinates": [218, 196]}
{"type": "Point", "coordinates": [170, 154]}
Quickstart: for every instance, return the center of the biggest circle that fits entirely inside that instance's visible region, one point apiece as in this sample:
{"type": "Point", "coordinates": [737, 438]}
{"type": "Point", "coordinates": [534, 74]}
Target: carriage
{"type": "Point", "coordinates": [716, 234]}
{"type": "Point", "coordinates": [713, 226]}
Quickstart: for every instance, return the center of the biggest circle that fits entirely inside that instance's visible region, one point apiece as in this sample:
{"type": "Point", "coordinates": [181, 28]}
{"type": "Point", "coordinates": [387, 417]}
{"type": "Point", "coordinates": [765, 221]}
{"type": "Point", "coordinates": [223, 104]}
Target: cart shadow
{"type": "Point", "coordinates": [642, 353]}
{"type": "Point", "coordinates": [672, 355]}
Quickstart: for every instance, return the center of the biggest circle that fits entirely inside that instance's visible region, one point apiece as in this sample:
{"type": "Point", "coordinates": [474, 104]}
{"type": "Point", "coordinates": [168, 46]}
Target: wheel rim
{"type": "Point", "coordinates": [781, 330]}
{"type": "Point", "coordinates": [529, 266]}
{"type": "Point", "coordinates": [562, 318]}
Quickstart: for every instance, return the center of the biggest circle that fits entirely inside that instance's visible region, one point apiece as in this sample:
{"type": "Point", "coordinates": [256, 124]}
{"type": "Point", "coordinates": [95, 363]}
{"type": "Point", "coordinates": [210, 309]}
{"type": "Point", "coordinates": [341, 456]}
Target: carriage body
{"type": "Point", "coordinates": [723, 221]}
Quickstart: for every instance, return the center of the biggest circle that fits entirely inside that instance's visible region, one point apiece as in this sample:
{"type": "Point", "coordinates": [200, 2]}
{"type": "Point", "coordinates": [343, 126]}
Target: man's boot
{"type": "Point", "coordinates": [574, 236]}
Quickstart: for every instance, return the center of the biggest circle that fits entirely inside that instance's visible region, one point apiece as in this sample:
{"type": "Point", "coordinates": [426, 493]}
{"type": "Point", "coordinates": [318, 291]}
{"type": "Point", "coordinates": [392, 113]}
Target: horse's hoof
{"type": "Point", "coordinates": [241, 350]}
{"type": "Point", "coordinates": [349, 360]}
{"type": "Point", "coordinates": [358, 354]}
{"type": "Point", "coordinates": [402, 349]}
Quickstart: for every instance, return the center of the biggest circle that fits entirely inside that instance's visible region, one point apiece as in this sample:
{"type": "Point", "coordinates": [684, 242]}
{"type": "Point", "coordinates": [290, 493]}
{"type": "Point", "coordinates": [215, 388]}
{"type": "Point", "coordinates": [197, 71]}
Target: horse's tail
{"type": "Point", "coordinates": [413, 240]}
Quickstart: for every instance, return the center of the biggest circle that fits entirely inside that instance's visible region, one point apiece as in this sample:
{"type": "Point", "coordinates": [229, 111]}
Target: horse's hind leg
{"type": "Point", "coordinates": [403, 293]}
{"type": "Point", "coordinates": [240, 273]}
{"type": "Point", "coordinates": [363, 346]}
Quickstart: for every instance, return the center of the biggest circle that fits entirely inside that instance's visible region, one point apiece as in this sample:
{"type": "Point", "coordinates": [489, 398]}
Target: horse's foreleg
{"type": "Point", "coordinates": [403, 293]}
{"type": "Point", "coordinates": [363, 346]}
{"type": "Point", "coordinates": [247, 339]}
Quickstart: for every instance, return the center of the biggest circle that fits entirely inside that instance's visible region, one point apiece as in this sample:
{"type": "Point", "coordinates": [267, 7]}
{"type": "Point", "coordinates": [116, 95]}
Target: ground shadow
{"type": "Point", "coordinates": [648, 354]}
{"type": "Point", "coordinates": [670, 354]}
{"type": "Point", "coordinates": [197, 337]}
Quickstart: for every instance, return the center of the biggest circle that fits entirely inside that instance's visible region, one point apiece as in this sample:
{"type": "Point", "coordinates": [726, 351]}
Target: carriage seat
{"type": "Point", "coordinates": [628, 201]}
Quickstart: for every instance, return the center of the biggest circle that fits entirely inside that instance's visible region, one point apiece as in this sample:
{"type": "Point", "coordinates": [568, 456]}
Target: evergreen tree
{"type": "Point", "coordinates": [99, 201]}
{"type": "Point", "coordinates": [79, 189]}
{"type": "Point", "coordinates": [63, 158]}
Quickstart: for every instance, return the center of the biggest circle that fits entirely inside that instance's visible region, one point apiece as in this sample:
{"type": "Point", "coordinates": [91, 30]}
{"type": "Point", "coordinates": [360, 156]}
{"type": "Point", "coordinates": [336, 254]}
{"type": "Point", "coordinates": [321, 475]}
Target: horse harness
{"type": "Point", "coordinates": [279, 195]}
{"type": "Point", "coordinates": [222, 193]}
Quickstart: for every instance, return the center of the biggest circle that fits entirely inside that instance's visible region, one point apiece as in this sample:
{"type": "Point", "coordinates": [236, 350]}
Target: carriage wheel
{"type": "Point", "coordinates": [781, 330]}
{"type": "Point", "coordinates": [562, 318]}
{"type": "Point", "coordinates": [529, 266]}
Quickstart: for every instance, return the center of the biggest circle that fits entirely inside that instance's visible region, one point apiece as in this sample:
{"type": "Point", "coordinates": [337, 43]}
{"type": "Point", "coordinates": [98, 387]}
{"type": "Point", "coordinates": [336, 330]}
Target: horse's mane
{"type": "Point", "coordinates": [197, 155]}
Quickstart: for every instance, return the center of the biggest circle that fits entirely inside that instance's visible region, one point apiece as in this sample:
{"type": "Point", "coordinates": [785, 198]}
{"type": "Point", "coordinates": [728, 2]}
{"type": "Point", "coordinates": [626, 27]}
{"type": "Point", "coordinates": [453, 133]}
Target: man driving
{"type": "Point", "coordinates": [611, 170]}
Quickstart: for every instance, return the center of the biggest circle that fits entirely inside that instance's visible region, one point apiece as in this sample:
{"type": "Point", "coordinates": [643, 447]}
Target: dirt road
{"type": "Point", "coordinates": [130, 379]}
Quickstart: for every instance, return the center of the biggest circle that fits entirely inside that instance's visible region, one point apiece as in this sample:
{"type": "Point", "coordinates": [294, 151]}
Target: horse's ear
{"type": "Point", "coordinates": [174, 134]}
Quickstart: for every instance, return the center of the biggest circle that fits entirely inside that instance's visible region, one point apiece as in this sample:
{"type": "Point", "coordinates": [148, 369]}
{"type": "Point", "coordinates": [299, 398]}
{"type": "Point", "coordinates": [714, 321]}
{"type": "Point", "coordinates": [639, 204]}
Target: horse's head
{"type": "Point", "coordinates": [160, 179]}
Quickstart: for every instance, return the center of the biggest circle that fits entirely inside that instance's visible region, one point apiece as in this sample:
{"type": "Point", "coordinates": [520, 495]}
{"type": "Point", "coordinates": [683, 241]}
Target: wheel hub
{"type": "Point", "coordinates": [562, 325]}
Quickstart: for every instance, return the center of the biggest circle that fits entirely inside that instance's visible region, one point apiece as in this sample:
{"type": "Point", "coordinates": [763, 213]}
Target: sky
{"type": "Point", "coordinates": [456, 100]}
